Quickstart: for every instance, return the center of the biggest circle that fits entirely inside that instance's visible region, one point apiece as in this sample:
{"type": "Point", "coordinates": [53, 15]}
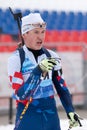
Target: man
{"type": "Point", "coordinates": [34, 79]}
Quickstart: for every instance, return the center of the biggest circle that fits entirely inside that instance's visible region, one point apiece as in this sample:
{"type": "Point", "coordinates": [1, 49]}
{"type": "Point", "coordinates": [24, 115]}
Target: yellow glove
{"type": "Point", "coordinates": [47, 64]}
{"type": "Point", "coordinates": [74, 120]}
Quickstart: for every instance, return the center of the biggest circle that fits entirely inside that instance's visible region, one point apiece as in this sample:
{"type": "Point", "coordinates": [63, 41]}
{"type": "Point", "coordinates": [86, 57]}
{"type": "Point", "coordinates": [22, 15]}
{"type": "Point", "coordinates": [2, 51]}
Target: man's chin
{"type": "Point", "coordinates": [38, 48]}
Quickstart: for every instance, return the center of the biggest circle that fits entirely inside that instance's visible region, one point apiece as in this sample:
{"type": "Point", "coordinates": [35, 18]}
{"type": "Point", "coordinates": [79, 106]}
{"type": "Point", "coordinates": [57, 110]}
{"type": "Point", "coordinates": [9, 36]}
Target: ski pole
{"type": "Point", "coordinates": [27, 105]}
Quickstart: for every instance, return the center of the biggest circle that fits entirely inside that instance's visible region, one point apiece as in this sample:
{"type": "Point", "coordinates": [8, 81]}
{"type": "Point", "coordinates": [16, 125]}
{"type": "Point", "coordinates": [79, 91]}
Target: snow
{"type": "Point", "coordinates": [64, 126]}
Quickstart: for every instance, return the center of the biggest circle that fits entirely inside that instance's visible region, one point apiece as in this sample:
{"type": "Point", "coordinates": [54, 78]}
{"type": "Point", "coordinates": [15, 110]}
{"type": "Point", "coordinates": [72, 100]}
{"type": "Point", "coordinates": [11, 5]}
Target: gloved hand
{"type": "Point", "coordinates": [47, 64]}
{"type": "Point", "coordinates": [74, 120]}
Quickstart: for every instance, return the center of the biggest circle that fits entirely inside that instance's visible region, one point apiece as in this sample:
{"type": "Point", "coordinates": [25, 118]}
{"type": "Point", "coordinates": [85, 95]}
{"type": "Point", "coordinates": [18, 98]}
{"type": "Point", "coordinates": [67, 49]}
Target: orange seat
{"type": "Point", "coordinates": [69, 48]}
{"type": "Point", "coordinates": [74, 36]}
{"type": "Point", "coordinates": [5, 38]}
{"type": "Point", "coordinates": [52, 36]}
{"type": "Point", "coordinates": [65, 36]}
{"type": "Point", "coordinates": [55, 36]}
{"type": "Point", "coordinates": [3, 48]}
{"type": "Point", "coordinates": [83, 36]}
{"type": "Point", "coordinates": [12, 48]}
{"type": "Point", "coordinates": [61, 48]}
{"type": "Point", "coordinates": [47, 36]}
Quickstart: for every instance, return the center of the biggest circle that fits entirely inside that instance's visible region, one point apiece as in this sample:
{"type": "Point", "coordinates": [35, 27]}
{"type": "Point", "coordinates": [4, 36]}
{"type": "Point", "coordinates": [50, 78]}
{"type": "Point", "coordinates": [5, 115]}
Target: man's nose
{"type": "Point", "coordinates": [40, 36]}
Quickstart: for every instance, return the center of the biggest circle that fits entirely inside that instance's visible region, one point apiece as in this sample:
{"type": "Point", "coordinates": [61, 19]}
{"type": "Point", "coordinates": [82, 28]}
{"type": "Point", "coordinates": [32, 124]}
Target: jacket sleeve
{"type": "Point", "coordinates": [30, 85]}
{"type": "Point", "coordinates": [60, 84]}
{"type": "Point", "coordinates": [62, 91]}
{"type": "Point", "coordinates": [22, 89]}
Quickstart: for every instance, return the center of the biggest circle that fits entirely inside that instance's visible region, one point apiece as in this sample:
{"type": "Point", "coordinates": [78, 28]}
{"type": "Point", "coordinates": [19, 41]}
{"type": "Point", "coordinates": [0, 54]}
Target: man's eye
{"type": "Point", "coordinates": [43, 31]}
{"type": "Point", "coordinates": [36, 32]}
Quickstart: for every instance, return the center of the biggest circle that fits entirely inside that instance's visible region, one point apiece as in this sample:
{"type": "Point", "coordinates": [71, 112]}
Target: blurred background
{"type": "Point", "coordinates": [66, 34]}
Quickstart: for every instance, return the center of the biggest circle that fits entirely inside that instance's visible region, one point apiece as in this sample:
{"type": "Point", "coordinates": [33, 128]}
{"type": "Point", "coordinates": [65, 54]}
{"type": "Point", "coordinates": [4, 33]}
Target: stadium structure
{"type": "Point", "coordinates": [66, 33]}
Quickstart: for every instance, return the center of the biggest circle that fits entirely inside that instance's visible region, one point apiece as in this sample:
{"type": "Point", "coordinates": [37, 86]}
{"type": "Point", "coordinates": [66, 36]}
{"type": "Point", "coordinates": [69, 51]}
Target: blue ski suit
{"type": "Point", "coordinates": [42, 112]}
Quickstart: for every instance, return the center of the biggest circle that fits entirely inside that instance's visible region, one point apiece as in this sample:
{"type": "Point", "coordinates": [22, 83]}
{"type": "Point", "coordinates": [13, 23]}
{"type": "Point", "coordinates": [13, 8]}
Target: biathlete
{"type": "Point", "coordinates": [37, 76]}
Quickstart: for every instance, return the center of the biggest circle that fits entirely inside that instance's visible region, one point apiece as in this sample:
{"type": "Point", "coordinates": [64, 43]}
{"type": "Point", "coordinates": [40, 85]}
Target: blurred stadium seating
{"type": "Point", "coordinates": [66, 32]}
{"type": "Point", "coordinates": [61, 26]}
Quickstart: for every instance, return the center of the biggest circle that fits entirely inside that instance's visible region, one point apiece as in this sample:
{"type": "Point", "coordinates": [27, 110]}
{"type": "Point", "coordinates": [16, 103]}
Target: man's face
{"type": "Point", "coordinates": [34, 39]}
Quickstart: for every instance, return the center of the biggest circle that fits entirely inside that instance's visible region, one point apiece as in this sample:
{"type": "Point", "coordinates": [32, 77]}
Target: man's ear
{"type": "Point", "coordinates": [23, 35]}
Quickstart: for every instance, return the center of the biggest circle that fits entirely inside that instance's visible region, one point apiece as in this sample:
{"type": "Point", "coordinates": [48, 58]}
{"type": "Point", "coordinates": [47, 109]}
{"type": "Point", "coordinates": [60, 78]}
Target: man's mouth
{"type": "Point", "coordinates": [39, 42]}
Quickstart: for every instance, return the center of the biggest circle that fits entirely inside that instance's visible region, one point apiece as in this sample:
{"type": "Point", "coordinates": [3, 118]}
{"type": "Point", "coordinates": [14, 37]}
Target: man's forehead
{"type": "Point", "coordinates": [38, 29]}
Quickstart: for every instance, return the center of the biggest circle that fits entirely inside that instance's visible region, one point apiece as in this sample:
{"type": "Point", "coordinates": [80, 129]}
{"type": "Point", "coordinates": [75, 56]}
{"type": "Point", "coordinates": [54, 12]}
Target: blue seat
{"type": "Point", "coordinates": [15, 30]}
{"type": "Point", "coordinates": [84, 25]}
{"type": "Point", "coordinates": [69, 20]}
{"type": "Point", "coordinates": [61, 20]}
{"type": "Point", "coordinates": [36, 11]}
{"type": "Point", "coordinates": [25, 12]}
{"type": "Point", "coordinates": [78, 21]}
{"type": "Point", "coordinates": [63, 15]}
{"type": "Point", "coordinates": [17, 11]}
{"type": "Point", "coordinates": [55, 20]}
{"type": "Point", "coordinates": [7, 12]}
{"type": "Point", "coordinates": [54, 14]}
{"type": "Point", "coordinates": [51, 21]}
{"type": "Point", "coordinates": [45, 14]}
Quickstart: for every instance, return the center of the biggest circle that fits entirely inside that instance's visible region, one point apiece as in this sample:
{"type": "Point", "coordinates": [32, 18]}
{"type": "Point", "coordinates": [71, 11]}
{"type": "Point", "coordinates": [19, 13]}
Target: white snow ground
{"type": "Point", "coordinates": [64, 126]}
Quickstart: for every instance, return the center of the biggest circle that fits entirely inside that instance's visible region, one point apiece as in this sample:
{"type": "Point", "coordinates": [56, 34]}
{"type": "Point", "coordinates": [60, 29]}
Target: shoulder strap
{"type": "Point", "coordinates": [22, 55]}
{"type": "Point", "coordinates": [46, 52]}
